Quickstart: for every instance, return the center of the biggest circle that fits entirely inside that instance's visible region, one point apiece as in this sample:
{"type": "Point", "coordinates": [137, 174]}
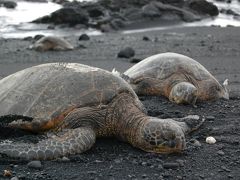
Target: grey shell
{"type": "Point", "coordinates": [47, 90]}
{"type": "Point", "coordinates": [164, 65]}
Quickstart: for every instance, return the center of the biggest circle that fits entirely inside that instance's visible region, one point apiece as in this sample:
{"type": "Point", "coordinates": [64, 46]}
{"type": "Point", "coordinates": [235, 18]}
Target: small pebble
{"type": "Point", "coordinates": [220, 152]}
{"type": "Point", "coordinates": [210, 140]}
{"type": "Point", "coordinates": [35, 165]}
{"type": "Point", "coordinates": [196, 143]}
{"type": "Point", "coordinates": [65, 159]}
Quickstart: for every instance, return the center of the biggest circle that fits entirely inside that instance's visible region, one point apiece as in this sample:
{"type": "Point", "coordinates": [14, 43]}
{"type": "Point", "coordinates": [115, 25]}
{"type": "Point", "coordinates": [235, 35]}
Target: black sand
{"type": "Point", "coordinates": [216, 48]}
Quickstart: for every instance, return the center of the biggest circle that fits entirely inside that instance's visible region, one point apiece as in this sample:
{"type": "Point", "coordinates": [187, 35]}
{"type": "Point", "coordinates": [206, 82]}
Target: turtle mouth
{"type": "Point", "coordinates": [170, 148]}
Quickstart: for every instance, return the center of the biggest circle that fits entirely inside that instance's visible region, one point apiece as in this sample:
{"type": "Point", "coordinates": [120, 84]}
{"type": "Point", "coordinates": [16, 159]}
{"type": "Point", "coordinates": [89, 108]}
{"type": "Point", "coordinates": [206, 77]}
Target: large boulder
{"type": "Point", "coordinates": [150, 10]}
{"type": "Point", "coordinates": [8, 4]}
{"type": "Point", "coordinates": [69, 16]}
{"type": "Point", "coordinates": [184, 14]}
{"type": "Point", "coordinates": [203, 7]}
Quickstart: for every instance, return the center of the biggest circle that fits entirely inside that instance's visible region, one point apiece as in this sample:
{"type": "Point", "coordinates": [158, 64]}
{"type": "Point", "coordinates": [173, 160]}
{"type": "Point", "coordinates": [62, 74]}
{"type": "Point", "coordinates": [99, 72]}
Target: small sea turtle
{"type": "Point", "coordinates": [178, 77]}
{"type": "Point", "coordinates": [47, 43]}
{"type": "Point", "coordinates": [77, 103]}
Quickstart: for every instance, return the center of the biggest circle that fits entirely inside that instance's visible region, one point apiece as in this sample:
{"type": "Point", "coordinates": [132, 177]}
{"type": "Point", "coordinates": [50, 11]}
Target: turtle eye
{"type": "Point", "coordinates": [137, 81]}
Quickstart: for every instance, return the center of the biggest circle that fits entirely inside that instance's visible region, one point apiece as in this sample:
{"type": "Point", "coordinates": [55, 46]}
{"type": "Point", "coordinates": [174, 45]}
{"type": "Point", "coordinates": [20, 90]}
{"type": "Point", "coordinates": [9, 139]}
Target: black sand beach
{"type": "Point", "coordinates": [214, 47]}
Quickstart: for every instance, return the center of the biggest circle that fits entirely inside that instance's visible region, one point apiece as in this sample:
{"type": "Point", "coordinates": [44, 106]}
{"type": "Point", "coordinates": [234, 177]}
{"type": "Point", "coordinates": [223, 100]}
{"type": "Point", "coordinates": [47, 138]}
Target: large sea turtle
{"type": "Point", "coordinates": [78, 103]}
{"type": "Point", "coordinates": [178, 77]}
{"type": "Point", "coordinates": [55, 43]}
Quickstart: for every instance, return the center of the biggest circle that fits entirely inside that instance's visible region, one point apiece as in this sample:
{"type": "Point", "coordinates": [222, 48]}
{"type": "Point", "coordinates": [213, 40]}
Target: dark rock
{"type": "Point", "coordinates": [68, 16]}
{"type": "Point", "coordinates": [170, 165]}
{"type": "Point", "coordinates": [8, 4]}
{"type": "Point", "coordinates": [84, 37]}
{"type": "Point", "coordinates": [80, 46]}
{"type": "Point", "coordinates": [117, 24]}
{"type": "Point", "coordinates": [229, 12]}
{"type": "Point", "coordinates": [38, 36]}
{"type": "Point", "coordinates": [133, 14]}
{"type": "Point", "coordinates": [176, 12]}
{"type": "Point", "coordinates": [35, 165]}
{"type": "Point", "coordinates": [127, 52]}
{"type": "Point", "coordinates": [203, 7]}
{"type": "Point", "coordinates": [135, 60]}
{"type": "Point", "coordinates": [29, 38]}
{"type": "Point", "coordinates": [95, 12]}
{"type": "Point", "coordinates": [145, 38]}
{"type": "Point", "coordinates": [150, 10]}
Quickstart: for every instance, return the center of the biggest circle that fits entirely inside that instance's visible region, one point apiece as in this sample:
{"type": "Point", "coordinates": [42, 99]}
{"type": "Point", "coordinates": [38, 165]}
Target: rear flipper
{"type": "Point", "coordinates": [70, 141]}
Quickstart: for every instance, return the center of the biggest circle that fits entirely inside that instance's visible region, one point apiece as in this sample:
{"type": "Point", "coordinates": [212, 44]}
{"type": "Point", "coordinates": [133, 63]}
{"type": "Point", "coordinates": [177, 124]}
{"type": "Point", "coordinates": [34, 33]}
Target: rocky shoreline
{"type": "Point", "coordinates": [108, 15]}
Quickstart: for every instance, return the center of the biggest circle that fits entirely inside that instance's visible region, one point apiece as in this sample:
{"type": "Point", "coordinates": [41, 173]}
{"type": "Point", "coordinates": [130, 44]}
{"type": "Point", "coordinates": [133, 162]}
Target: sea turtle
{"type": "Point", "coordinates": [47, 43]}
{"type": "Point", "coordinates": [77, 103]}
{"type": "Point", "coordinates": [178, 77]}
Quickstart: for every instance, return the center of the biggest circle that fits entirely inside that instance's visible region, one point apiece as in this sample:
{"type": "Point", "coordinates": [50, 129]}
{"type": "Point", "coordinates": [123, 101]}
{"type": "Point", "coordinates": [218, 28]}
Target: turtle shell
{"type": "Point", "coordinates": [47, 90]}
{"type": "Point", "coordinates": [164, 65]}
{"type": "Point", "coordinates": [51, 43]}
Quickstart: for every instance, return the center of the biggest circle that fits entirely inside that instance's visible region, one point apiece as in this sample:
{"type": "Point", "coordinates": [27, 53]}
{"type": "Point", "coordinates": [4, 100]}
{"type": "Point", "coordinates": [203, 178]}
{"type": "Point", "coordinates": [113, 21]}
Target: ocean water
{"type": "Point", "coordinates": [14, 23]}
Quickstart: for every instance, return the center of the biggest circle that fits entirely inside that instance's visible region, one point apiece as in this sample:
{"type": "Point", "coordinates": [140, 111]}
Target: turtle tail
{"type": "Point", "coordinates": [70, 141]}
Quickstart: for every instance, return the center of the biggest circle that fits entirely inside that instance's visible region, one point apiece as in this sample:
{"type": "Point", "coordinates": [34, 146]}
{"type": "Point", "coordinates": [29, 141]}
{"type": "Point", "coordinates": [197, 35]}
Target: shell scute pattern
{"type": "Point", "coordinates": [164, 65]}
{"type": "Point", "coordinates": [45, 92]}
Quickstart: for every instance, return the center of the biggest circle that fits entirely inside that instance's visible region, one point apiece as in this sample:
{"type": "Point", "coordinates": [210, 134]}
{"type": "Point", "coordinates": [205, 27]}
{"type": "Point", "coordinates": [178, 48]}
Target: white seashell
{"type": "Point", "coordinates": [210, 140]}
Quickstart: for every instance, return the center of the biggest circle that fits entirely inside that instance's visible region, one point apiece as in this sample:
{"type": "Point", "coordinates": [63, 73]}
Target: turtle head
{"type": "Point", "coordinates": [183, 92]}
{"type": "Point", "coordinates": [162, 136]}
{"type": "Point", "coordinates": [213, 90]}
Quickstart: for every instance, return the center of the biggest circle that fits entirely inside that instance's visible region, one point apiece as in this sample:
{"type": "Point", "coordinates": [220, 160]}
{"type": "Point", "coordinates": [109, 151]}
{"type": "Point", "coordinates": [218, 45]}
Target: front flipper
{"type": "Point", "coordinates": [183, 92]}
{"type": "Point", "coordinates": [70, 141]}
{"type": "Point", "coordinates": [190, 123]}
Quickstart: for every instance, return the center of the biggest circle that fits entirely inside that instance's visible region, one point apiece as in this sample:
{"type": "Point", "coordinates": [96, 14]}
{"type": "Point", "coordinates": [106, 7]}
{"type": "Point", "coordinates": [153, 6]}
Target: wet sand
{"type": "Point", "coordinates": [215, 48]}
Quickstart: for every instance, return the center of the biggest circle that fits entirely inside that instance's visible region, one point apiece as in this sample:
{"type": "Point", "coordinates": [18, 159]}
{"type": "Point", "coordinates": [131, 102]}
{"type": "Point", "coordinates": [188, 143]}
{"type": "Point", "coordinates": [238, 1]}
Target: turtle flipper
{"type": "Point", "coordinates": [70, 141]}
{"type": "Point", "coordinates": [190, 123]}
{"type": "Point", "coordinates": [33, 125]}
